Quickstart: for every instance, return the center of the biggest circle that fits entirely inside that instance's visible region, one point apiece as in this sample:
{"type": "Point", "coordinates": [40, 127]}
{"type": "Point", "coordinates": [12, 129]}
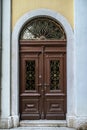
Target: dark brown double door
{"type": "Point", "coordinates": [42, 80]}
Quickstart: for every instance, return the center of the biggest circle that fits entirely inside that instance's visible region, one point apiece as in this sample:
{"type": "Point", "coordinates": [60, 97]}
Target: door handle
{"type": "Point", "coordinates": [39, 85]}
{"type": "Point", "coordinates": [46, 85]}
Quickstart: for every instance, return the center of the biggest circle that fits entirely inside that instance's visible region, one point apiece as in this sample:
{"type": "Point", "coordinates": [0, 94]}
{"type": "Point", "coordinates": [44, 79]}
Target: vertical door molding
{"type": "Point", "coordinates": [70, 58]}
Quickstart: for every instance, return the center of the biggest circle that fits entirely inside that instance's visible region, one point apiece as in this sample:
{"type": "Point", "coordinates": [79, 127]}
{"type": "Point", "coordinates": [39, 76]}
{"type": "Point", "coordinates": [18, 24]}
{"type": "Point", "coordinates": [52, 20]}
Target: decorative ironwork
{"type": "Point", "coordinates": [54, 74]}
{"type": "Point", "coordinates": [43, 28]}
{"type": "Point", "coordinates": [30, 75]}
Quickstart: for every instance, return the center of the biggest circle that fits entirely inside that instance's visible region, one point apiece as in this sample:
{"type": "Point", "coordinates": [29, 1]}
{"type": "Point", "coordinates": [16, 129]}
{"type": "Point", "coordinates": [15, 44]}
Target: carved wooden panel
{"type": "Point", "coordinates": [30, 108]}
{"type": "Point", "coordinates": [55, 69]}
{"type": "Point", "coordinates": [55, 108]}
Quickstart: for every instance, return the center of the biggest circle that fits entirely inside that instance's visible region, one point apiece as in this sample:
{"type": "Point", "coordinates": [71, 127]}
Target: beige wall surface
{"type": "Point", "coordinates": [64, 7]}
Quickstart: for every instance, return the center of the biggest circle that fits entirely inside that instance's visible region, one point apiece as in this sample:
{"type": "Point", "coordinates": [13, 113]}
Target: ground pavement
{"type": "Point", "coordinates": [40, 128]}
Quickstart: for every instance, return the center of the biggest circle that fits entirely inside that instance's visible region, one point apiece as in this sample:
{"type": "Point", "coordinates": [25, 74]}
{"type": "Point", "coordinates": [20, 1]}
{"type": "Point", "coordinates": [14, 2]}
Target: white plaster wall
{"type": "Point", "coordinates": [81, 57]}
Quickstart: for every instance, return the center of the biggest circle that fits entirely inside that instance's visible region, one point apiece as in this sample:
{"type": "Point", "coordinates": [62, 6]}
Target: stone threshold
{"type": "Point", "coordinates": [43, 123]}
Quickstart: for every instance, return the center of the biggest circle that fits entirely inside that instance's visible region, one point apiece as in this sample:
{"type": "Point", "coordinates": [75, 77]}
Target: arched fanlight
{"type": "Point", "coordinates": [42, 28]}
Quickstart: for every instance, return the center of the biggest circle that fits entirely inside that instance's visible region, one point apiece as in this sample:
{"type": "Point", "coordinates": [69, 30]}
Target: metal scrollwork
{"type": "Point", "coordinates": [54, 74]}
{"type": "Point", "coordinates": [30, 75]}
{"type": "Point", "coordinates": [42, 28]}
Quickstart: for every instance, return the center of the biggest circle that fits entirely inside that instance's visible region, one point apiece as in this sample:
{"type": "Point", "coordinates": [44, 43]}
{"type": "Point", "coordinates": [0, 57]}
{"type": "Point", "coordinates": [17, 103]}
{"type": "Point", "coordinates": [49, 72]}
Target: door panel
{"type": "Point", "coordinates": [42, 82]}
{"type": "Point", "coordinates": [55, 94]}
{"type": "Point", "coordinates": [30, 93]}
{"type": "Point", "coordinates": [54, 66]}
{"type": "Point", "coordinates": [30, 107]}
{"type": "Point", "coordinates": [55, 108]}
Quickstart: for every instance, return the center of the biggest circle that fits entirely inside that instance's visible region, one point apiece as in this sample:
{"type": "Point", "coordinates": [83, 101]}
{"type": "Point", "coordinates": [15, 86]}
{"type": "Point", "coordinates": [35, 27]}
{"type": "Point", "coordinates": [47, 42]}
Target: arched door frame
{"type": "Point", "coordinates": [15, 61]}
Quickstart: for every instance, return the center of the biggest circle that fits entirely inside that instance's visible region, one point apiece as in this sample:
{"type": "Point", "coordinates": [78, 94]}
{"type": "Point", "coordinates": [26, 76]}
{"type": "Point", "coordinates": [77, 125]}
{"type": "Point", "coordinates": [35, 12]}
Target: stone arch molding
{"type": "Point", "coordinates": [15, 61]}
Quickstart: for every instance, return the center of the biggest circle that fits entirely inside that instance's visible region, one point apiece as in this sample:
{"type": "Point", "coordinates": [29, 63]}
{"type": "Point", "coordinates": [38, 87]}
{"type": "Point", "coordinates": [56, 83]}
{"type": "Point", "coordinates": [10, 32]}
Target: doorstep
{"type": "Point", "coordinates": [43, 123]}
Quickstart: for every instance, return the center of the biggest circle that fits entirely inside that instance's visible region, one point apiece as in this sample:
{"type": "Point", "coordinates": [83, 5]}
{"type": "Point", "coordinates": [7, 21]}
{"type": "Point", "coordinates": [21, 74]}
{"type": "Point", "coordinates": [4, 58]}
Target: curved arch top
{"type": "Point", "coordinates": [15, 57]}
{"type": "Point", "coordinates": [43, 12]}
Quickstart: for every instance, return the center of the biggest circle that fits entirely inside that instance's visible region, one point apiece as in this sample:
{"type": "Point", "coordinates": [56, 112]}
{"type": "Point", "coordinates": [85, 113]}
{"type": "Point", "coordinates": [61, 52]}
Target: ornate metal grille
{"type": "Point", "coordinates": [54, 74]}
{"type": "Point", "coordinates": [43, 28]}
{"type": "Point", "coordinates": [30, 75]}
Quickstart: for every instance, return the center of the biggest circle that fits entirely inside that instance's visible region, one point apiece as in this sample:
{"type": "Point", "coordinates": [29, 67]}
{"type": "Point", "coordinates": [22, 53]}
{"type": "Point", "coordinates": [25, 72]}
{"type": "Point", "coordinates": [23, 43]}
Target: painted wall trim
{"type": "Point", "coordinates": [15, 58]}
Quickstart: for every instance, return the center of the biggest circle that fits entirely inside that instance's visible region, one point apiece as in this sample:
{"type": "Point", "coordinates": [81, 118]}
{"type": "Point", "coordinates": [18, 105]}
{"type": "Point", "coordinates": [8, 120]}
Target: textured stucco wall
{"type": "Point", "coordinates": [20, 7]}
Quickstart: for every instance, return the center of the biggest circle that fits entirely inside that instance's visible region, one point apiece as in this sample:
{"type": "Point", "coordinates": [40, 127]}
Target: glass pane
{"type": "Point", "coordinates": [54, 74]}
{"type": "Point", "coordinates": [30, 75]}
{"type": "Point", "coordinates": [43, 28]}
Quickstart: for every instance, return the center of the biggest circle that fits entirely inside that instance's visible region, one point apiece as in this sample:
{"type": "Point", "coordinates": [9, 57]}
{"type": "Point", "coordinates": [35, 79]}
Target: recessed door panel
{"type": "Point", "coordinates": [54, 67]}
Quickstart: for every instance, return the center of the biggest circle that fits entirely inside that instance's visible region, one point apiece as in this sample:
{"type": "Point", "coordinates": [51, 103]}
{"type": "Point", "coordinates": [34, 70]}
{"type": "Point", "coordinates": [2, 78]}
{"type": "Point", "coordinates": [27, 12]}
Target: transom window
{"type": "Point", "coordinates": [42, 28]}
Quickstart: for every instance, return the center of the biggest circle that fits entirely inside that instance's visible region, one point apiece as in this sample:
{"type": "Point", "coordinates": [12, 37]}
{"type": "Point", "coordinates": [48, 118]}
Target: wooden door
{"type": "Point", "coordinates": [42, 80]}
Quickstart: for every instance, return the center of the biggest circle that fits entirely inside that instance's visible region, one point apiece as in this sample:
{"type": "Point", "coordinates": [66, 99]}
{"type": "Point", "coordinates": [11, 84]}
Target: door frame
{"type": "Point", "coordinates": [15, 62]}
